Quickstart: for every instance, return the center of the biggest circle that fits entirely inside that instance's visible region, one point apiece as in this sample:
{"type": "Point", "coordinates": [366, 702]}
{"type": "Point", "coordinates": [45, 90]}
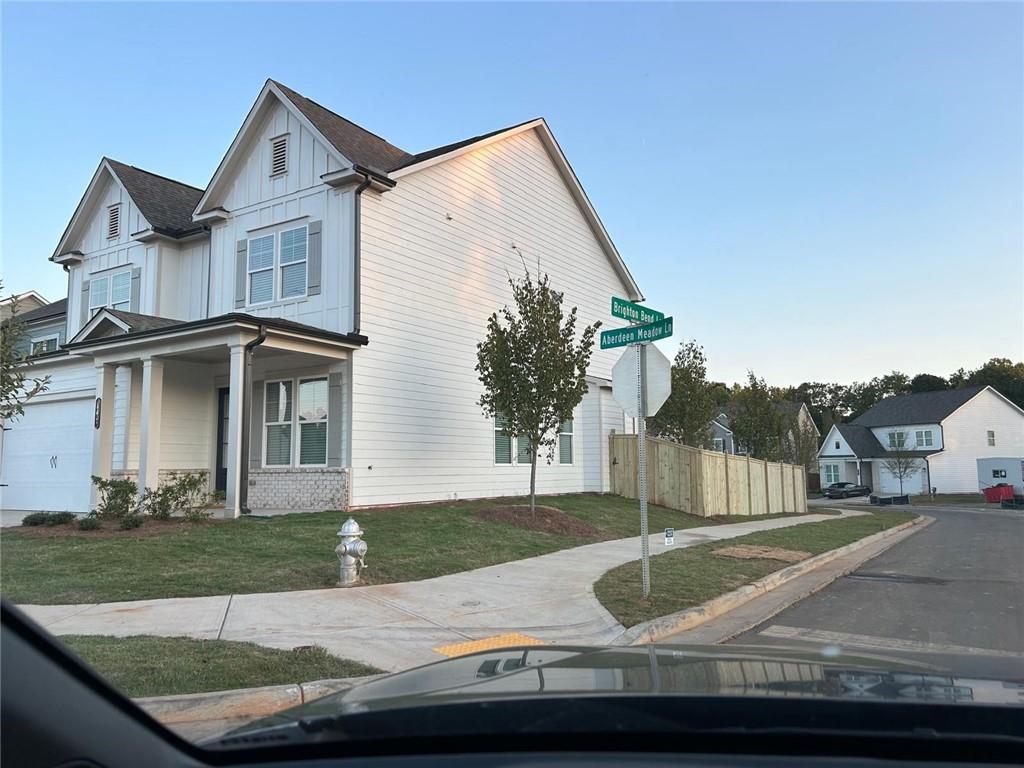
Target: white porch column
{"type": "Point", "coordinates": [149, 422]}
{"type": "Point", "coordinates": [234, 458]}
{"type": "Point", "coordinates": [860, 481]}
{"type": "Point", "coordinates": [103, 425]}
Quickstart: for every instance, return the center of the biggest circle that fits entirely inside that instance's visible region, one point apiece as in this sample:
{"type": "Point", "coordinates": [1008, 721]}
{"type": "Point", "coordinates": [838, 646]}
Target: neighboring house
{"type": "Point", "coordinates": [23, 302]}
{"type": "Point", "coordinates": [722, 436]}
{"type": "Point", "coordinates": [356, 276]}
{"type": "Point", "coordinates": [45, 328]}
{"type": "Point", "coordinates": [945, 432]}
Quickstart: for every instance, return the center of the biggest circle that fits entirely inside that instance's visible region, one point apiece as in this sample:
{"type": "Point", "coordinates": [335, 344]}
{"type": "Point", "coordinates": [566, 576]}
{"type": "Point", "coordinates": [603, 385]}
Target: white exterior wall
{"type": "Point", "coordinates": [882, 434]}
{"type": "Point", "coordinates": [828, 447]}
{"type": "Point", "coordinates": [429, 282]}
{"type": "Point", "coordinates": [955, 470]}
{"type": "Point", "coordinates": [914, 484]}
{"type": "Point", "coordinates": [183, 283]}
{"type": "Point", "coordinates": [258, 202]}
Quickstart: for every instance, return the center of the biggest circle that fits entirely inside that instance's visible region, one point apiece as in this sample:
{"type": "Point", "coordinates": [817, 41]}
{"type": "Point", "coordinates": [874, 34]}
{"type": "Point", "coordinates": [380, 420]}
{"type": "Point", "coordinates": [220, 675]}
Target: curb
{"type": "Point", "coordinates": [241, 703]}
{"type": "Point", "coordinates": [656, 629]}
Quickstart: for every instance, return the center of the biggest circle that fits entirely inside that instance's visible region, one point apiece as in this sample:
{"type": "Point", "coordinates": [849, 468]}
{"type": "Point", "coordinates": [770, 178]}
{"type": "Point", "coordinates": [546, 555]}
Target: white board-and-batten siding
{"type": "Point", "coordinates": [260, 204]}
{"type": "Point", "coordinates": [436, 256]}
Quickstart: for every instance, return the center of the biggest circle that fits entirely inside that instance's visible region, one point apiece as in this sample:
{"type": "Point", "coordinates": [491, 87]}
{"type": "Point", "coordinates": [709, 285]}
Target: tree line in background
{"type": "Point", "coordinates": [765, 419]}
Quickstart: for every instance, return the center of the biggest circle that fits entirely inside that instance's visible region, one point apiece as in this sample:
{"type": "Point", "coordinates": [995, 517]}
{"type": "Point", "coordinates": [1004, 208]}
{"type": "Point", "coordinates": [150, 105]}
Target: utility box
{"type": "Point", "coordinates": [1009, 470]}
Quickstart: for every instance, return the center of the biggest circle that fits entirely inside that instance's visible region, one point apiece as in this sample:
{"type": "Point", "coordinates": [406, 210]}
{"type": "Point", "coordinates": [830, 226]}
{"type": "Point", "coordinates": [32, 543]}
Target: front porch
{"type": "Point", "coordinates": [259, 407]}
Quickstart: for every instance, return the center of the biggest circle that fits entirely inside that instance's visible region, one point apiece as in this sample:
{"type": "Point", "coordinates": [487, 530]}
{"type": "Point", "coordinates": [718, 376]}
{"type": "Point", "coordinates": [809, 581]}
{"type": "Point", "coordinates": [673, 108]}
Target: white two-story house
{"type": "Point", "coordinates": [303, 330]}
{"type": "Point", "coordinates": [953, 437]}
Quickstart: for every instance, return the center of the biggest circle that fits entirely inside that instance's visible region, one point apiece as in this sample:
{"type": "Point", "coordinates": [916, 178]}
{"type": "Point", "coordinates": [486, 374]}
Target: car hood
{"type": "Point", "coordinates": [546, 671]}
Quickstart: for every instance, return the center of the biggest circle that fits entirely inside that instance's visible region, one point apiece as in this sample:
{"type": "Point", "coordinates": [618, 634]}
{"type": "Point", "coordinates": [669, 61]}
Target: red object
{"type": "Point", "coordinates": [997, 493]}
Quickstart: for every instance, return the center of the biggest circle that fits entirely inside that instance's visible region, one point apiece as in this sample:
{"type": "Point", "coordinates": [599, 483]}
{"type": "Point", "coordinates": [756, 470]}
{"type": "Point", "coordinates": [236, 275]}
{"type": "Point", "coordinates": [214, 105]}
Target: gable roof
{"type": "Point", "coordinates": [165, 203]}
{"type": "Point", "coordinates": [45, 312]}
{"type": "Point", "coordinates": [351, 140]}
{"type": "Point", "coordinates": [918, 408]}
{"type": "Point", "coordinates": [430, 154]}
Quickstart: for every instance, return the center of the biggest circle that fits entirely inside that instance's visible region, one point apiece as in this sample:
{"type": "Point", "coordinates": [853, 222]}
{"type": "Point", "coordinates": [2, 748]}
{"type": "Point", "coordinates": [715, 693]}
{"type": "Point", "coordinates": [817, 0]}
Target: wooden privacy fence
{"type": "Point", "coordinates": [707, 483]}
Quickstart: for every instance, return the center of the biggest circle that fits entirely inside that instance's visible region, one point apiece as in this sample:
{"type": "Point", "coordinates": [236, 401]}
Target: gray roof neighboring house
{"type": "Point", "coordinates": [166, 204]}
{"type": "Point", "coordinates": [919, 408]}
{"type": "Point", "coordinates": [45, 312]}
{"type": "Point", "coordinates": [865, 445]}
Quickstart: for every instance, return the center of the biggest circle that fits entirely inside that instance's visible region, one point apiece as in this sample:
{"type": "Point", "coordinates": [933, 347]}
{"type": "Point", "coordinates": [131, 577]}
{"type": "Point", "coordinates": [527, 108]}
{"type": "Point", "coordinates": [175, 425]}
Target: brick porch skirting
{"type": "Point", "coordinates": [298, 489]}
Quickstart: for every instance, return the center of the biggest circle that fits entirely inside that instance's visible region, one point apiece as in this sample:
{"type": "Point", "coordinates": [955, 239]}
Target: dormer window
{"type": "Point", "coordinates": [114, 291]}
{"type": "Point", "coordinates": [113, 221]}
{"type": "Point", "coordinates": [279, 155]}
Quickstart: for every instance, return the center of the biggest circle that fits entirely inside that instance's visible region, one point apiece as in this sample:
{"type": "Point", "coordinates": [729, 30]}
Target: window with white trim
{"type": "Point", "coordinates": [924, 438]}
{"type": "Point", "coordinates": [998, 473]}
{"type": "Point", "coordinates": [502, 441]}
{"type": "Point", "coordinates": [831, 473]}
{"type": "Point", "coordinates": [113, 221]}
{"type": "Point", "coordinates": [43, 344]}
{"type": "Point", "coordinates": [293, 262]}
{"type": "Point", "coordinates": [279, 155]}
{"type": "Point", "coordinates": [261, 269]}
{"type": "Point", "coordinates": [991, 437]}
{"type": "Point", "coordinates": [114, 291]}
{"type": "Point", "coordinates": [897, 440]}
{"type": "Point", "coordinates": [718, 443]}
{"type": "Point", "coordinates": [296, 436]}
{"type": "Point", "coordinates": [565, 442]}
{"type": "Point", "coordinates": [837, 445]}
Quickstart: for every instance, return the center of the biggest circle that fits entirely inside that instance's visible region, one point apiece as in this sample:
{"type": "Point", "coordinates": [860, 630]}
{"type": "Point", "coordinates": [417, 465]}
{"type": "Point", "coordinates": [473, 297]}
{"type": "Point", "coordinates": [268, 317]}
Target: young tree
{"type": "Point", "coordinates": [755, 421]}
{"type": "Point", "coordinates": [686, 415]}
{"type": "Point", "coordinates": [532, 369]}
{"type": "Point", "coordinates": [800, 442]}
{"type": "Point", "coordinates": [16, 385]}
{"type": "Point", "coordinates": [900, 461]}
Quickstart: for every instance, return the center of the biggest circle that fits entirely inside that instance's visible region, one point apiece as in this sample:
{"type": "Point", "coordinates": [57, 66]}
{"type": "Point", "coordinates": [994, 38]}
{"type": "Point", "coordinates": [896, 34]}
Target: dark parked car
{"type": "Point", "coordinates": [845, 490]}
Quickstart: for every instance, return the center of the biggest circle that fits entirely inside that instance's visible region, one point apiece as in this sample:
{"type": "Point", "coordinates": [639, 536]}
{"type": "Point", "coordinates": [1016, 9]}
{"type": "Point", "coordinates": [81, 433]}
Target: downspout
{"type": "Point", "coordinates": [356, 246]}
{"type": "Point", "coordinates": [243, 467]}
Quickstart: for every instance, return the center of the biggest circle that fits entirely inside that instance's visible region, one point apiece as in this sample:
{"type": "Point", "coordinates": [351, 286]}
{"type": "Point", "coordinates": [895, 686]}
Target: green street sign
{"type": "Point", "coordinates": [635, 313]}
{"type": "Point", "coordinates": [636, 334]}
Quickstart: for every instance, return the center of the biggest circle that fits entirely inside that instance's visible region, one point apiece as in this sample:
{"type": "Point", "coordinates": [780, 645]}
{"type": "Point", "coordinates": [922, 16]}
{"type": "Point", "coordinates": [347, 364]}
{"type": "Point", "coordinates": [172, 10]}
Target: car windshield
{"type": "Point", "coordinates": [515, 351]}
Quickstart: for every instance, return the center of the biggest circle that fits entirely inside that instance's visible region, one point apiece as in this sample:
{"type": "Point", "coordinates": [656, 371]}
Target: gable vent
{"type": "Point", "coordinates": [113, 221]}
{"type": "Point", "coordinates": [278, 155]}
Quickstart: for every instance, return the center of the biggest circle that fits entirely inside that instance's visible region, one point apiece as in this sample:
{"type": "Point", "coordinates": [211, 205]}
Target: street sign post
{"type": "Point", "coordinates": [637, 334]}
{"type": "Point", "coordinates": [635, 313]}
{"type": "Point", "coordinates": [651, 384]}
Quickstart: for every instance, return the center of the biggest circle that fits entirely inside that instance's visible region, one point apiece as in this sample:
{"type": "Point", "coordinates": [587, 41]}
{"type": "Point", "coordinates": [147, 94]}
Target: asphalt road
{"type": "Point", "coordinates": [951, 595]}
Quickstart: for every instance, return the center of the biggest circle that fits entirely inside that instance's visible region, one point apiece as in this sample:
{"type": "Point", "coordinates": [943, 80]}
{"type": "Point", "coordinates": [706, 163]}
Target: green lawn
{"type": "Point", "coordinates": [296, 551]}
{"type": "Point", "coordinates": [166, 666]}
{"type": "Point", "coordinates": [949, 499]}
{"type": "Point", "coordinates": [688, 577]}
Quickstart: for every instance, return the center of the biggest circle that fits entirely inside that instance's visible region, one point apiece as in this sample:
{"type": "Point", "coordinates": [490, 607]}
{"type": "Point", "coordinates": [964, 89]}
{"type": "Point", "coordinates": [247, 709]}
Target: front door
{"type": "Point", "coordinates": [222, 438]}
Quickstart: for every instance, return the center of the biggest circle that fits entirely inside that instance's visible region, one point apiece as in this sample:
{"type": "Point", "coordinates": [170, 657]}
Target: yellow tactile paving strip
{"type": "Point", "coordinates": [487, 644]}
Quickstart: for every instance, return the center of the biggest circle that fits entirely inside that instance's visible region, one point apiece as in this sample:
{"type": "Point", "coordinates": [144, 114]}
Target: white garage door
{"type": "Point", "coordinates": [47, 458]}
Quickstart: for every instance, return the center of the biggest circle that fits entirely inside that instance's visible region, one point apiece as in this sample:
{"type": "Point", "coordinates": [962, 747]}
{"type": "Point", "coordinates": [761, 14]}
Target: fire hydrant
{"type": "Point", "coordinates": [351, 552]}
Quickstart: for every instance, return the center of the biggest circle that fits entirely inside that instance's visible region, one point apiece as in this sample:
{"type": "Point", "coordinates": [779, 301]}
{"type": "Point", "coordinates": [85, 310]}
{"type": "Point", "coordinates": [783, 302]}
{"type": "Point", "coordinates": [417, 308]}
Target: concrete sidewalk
{"type": "Point", "coordinates": [398, 626]}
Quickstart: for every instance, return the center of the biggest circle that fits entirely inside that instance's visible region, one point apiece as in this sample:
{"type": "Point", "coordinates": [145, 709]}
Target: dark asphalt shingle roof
{"type": "Point", "coordinates": [166, 204]}
{"type": "Point", "coordinates": [865, 445]}
{"type": "Point", "coordinates": [45, 312]}
{"type": "Point", "coordinates": [919, 408]}
{"type": "Point", "coordinates": [138, 322]}
{"type": "Point", "coordinates": [354, 142]}
{"type": "Point", "coordinates": [438, 151]}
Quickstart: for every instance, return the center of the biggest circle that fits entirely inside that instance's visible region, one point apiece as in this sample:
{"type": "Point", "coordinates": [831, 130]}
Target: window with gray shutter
{"type": "Point", "coordinates": [502, 441]}
{"type": "Point", "coordinates": [565, 442]}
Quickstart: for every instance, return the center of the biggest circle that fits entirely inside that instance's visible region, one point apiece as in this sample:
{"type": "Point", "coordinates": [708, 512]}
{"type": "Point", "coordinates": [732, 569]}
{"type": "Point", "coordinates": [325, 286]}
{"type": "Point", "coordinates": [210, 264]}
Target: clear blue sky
{"type": "Point", "coordinates": [814, 191]}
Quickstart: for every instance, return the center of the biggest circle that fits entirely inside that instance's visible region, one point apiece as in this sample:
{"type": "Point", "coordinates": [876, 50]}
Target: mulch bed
{"type": "Point", "coordinates": [109, 530]}
{"type": "Point", "coordinates": [755, 552]}
{"type": "Point", "coordinates": [542, 519]}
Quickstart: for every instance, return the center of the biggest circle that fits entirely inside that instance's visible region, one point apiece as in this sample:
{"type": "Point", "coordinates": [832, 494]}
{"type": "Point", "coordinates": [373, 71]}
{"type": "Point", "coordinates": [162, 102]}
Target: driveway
{"type": "Point", "coordinates": [952, 595]}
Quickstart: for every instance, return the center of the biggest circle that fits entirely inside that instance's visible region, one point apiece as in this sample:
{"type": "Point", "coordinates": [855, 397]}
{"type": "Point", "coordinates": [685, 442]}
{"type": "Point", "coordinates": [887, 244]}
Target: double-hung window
{"type": "Point", "coordinates": [831, 473]}
{"type": "Point", "coordinates": [277, 265]}
{"type": "Point", "coordinates": [565, 442]}
{"type": "Point", "coordinates": [718, 443]}
{"type": "Point", "coordinates": [503, 444]}
{"type": "Point", "coordinates": [897, 440]}
{"type": "Point", "coordinates": [296, 436]}
{"type": "Point", "coordinates": [114, 291]}
{"type": "Point", "coordinates": [261, 269]}
{"type": "Point", "coordinates": [991, 435]}
{"type": "Point", "coordinates": [924, 438]}
{"type": "Point", "coordinates": [44, 344]}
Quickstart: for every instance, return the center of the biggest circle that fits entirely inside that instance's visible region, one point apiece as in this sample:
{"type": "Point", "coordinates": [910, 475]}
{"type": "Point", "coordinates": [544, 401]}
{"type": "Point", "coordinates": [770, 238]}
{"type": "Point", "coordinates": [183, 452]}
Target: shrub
{"type": "Point", "coordinates": [186, 494]}
{"type": "Point", "coordinates": [130, 521]}
{"type": "Point", "coordinates": [118, 498]}
{"type": "Point", "coordinates": [89, 523]}
{"type": "Point", "coordinates": [48, 518]}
